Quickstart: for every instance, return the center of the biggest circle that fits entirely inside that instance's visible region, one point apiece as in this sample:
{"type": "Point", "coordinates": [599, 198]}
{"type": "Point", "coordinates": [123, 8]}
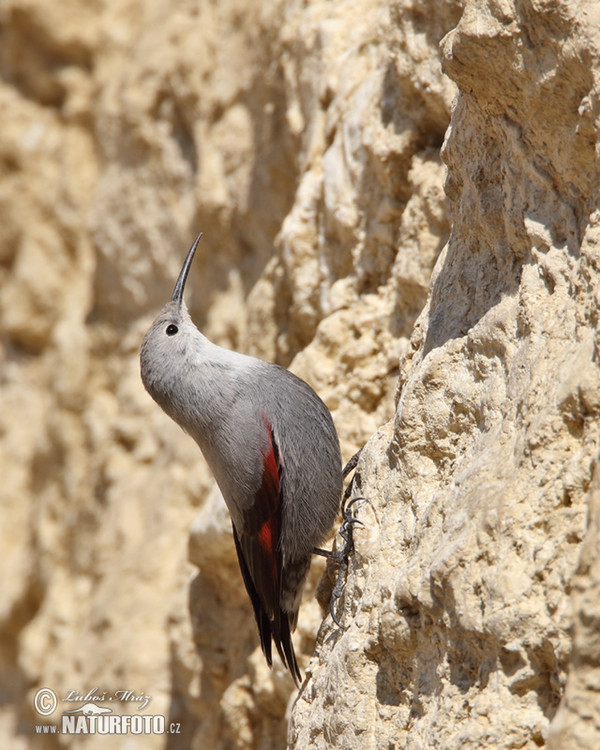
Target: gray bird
{"type": "Point", "coordinates": [272, 447]}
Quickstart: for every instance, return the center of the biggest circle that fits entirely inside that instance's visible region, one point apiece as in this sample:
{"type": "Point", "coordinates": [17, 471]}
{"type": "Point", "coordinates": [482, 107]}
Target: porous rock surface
{"type": "Point", "coordinates": [401, 202]}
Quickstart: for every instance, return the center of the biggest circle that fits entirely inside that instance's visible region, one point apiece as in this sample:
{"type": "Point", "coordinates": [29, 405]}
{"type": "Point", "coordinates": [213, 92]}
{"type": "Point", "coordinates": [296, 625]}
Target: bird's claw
{"type": "Point", "coordinates": [351, 522]}
{"type": "Point", "coordinates": [341, 556]}
{"type": "Point", "coordinates": [347, 505]}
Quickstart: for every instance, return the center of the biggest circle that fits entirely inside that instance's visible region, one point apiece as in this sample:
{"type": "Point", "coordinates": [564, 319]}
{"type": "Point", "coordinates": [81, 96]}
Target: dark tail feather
{"type": "Point", "coordinates": [262, 619]}
{"type": "Point", "coordinates": [285, 648]}
{"type": "Point", "coordinates": [278, 628]}
{"type": "Point", "coordinates": [264, 630]}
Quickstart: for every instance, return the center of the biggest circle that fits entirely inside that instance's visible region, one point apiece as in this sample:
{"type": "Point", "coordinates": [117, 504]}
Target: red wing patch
{"type": "Point", "coordinates": [260, 558]}
{"type": "Point", "coordinates": [259, 539]}
{"type": "Point", "coordinates": [265, 538]}
{"type": "Point", "coordinates": [268, 535]}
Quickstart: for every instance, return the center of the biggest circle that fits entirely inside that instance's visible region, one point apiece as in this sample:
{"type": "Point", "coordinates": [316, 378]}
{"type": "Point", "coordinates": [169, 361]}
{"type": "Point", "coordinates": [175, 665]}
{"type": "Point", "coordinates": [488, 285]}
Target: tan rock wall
{"type": "Point", "coordinates": [304, 140]}
{"type": "Point", "coordinates": [457, 608]}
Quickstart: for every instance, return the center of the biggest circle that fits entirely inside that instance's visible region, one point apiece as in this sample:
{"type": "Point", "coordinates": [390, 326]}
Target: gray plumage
{"type": "Point", "coordinates": [272, 447]}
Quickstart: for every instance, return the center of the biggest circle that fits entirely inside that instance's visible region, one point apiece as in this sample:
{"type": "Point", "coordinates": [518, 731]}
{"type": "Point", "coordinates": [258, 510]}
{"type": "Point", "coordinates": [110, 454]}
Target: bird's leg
{"type": "Point", "coordinates": [351, 463]}
{"type": "Point", "coordinates": [346, 507]}
{"type": "Point", "coordinates": [341, 556]}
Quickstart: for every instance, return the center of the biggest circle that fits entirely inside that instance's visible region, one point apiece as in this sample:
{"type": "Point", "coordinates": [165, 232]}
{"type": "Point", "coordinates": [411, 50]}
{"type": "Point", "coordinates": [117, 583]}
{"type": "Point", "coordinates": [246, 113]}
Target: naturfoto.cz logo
{"type": "Point", "coordinates": [94, 717]}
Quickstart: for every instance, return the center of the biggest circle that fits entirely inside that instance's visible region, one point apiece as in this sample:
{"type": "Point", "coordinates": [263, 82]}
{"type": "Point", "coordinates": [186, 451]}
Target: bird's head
{"type": "Point", "coordinates": [163, 351]}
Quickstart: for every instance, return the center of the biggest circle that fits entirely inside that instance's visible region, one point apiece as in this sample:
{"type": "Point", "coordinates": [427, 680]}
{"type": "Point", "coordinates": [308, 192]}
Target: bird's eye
{"type": "Point", "coordinates": [172, 329]}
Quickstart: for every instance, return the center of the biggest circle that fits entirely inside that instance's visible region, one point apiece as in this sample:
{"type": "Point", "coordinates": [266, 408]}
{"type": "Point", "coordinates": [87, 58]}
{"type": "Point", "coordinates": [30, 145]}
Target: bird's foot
{"type": "Point", "coordinates": [340, 556]}
{"type": "Point", "coordinates": [345, 531]}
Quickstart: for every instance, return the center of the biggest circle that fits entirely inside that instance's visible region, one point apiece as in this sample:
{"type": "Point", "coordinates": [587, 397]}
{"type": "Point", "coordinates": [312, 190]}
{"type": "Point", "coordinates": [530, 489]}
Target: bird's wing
{"type": "Point", "coordinates": [259, 554]}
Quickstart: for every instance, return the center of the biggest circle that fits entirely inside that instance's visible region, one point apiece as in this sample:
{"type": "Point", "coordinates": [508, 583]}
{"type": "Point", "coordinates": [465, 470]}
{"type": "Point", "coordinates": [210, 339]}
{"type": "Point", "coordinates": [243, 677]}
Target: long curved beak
{"type": "Point", "coordinates": [177, 295]}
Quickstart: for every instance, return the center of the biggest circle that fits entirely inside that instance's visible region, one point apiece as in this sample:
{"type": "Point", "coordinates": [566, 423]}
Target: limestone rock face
{"type": "Point", "coordinates": [400, 202]}
{"type": "Point", "coordinates": [457, 611]}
